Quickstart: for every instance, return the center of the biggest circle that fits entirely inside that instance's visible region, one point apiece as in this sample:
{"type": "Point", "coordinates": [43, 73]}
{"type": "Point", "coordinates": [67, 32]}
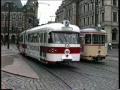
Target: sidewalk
{"type": "Point", "coordinates": [13, 63]}
{"type": "Point", "coordinates": [113, 52]}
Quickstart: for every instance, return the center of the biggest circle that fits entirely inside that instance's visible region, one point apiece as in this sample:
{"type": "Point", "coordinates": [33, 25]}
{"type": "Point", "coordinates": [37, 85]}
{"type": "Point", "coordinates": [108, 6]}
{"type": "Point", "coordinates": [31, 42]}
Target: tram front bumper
{"type": "Point", "coordinates": [66, 58]}
{"type": "Point", "coordinates": [99, 57]}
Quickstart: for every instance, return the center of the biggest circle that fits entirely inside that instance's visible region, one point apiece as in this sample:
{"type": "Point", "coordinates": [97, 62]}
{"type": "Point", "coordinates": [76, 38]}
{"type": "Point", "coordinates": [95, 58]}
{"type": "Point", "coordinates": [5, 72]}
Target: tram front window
{"type": "Point", "coordinates": [99, 39]}
{"type": "Point", "coordinates": [64, 37]}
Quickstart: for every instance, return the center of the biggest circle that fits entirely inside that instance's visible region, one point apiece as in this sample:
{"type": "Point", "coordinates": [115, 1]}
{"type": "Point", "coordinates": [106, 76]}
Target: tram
{"type": "Point", "coordinates": [93, 44]}
{"type": "Point", "coordinates": [51, 43]}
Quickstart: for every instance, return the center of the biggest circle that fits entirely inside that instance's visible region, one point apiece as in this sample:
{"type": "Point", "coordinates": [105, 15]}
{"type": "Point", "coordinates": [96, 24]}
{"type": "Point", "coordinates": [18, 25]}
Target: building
{"type": "Point", "coordinates": [15, 18]}
{"type": "Point", "coordinates": [90, 13]}
{"type": "Point", "coordinates": [30, 11]}
{"type": "Point", "coordinates": [11, 19]}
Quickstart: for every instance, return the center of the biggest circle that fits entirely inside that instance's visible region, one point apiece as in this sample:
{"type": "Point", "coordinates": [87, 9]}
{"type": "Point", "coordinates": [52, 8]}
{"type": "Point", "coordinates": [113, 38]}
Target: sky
{"type": "Point", "coordinates": [46, 10]}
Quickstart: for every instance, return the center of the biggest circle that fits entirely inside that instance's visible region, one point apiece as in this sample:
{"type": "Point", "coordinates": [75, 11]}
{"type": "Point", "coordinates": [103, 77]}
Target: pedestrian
{"type": "Point", "coordinates": [109, 46]}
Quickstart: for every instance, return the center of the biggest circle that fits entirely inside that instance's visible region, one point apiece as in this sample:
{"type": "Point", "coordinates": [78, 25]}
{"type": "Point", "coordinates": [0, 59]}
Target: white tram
{"type": "Point", "coordinates": [51, 43]}
{"type": "Point", "coordinates": [93, 44]}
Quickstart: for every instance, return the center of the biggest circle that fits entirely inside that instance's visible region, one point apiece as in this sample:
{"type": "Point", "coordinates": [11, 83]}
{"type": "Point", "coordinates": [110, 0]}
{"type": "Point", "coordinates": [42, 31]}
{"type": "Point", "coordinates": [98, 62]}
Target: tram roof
{"type": "Point", "coordinates": [53, 27]}
{"type": "Point", "coordinates": [91, 30]}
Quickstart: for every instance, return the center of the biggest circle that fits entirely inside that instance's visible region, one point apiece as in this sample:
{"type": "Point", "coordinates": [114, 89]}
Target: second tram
{"type": "Point", "coordinates": [51, 43]}
{"type": "Point", "coordinates": [93, 44]}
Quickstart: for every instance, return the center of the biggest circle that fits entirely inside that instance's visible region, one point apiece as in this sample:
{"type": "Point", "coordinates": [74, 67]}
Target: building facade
{"type": "Point", "coordinates": [90, 13]}
{"type": "Point", "coordinates": [15, 18]}
{"type": "Point", "coordinates": [30, 11]}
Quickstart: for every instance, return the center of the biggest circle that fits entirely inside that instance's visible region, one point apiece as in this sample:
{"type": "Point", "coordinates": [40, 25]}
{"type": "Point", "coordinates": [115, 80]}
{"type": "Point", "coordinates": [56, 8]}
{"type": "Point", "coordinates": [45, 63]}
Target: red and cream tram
{"type": "Point", "coordinates": [51, 43]}
{"type": "Point", "coordinates": [93, 44]}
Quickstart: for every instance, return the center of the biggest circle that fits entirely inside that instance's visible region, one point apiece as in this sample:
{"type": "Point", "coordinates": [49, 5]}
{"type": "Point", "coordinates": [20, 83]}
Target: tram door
{"type": "Point", "coordinates": [42, 45]}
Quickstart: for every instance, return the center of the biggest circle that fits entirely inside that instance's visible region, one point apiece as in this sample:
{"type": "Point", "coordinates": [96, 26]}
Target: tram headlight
{"type": "Point", "coordinates": [67, 51]}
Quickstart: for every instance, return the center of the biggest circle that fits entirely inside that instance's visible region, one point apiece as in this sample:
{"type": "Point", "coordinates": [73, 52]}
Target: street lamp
{"type": "Point", "coordinates": [9, 8]}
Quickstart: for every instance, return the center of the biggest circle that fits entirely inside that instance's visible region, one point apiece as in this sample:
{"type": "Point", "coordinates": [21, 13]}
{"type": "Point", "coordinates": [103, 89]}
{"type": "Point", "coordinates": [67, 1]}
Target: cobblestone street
{"type": "Point", "coordinates": [75, 76]}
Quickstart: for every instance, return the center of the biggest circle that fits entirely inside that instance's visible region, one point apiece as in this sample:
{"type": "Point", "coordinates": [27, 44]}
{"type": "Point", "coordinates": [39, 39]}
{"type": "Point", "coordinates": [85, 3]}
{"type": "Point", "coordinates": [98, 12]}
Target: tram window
{"type": "Point", "coordinates": [96, 39]}
{"type": "Point", "coordinates": [45, 36]}
{"type": "Point", "coordinates": [29, 37]}
{"type": "Point", "coordinates": [103, 39]}
{"type": "Point", "coordinates": [37, 37]}
{"type": "Point", "coordinates": [50, 38]}
{"type": "Point", "coordinates": [32, 38]}
{"type": "Point", "coordinates": [99, 39]}
{"type": "Point", "coordinates": [41, 39]}
{"type": "Point", "coordinates": [88, 39]}
{"type": "Point", "coordinates": [81, 40]}
{"type": "Point", "coordinates": [21, 38]}
{"type": "Point", "coordinates": [64, 37]}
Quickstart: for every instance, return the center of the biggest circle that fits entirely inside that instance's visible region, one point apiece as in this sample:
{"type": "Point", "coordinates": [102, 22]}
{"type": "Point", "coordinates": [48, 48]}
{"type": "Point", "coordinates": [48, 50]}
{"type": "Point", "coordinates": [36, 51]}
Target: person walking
{"type": "Point", "coordinates": [109, 46]}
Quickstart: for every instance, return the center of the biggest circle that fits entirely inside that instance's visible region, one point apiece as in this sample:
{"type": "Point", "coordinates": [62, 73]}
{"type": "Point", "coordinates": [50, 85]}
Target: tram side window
{"type": "Point", "coordinates": [87, 39]}
{"type": "Point", "coordinates": [28, 37]}
{"type": "Point", "coordinates": [31, 40]}
{"type": "Point", "coordinates": [21, 38]}
{"type": "Point", "coordinates": [45, 37]}
{"type": "Point", "coordinates": [35, 38]}
{"type": "Point", "coordinates": [81, 40]}
{"type": "Point", "coordinates": [41, 37]}
{"type": "Point", "coordinates": [50, 38]}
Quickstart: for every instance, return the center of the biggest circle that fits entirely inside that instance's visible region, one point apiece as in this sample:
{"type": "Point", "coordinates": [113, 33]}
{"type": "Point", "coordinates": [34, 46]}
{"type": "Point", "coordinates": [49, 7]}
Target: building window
{"type": "Point", "coordinates": [102, 17]}
{"type": "Point", "coordinates": [114, 34]}
{"type": "Point", "coordinates": [88, 7]}
{"type": "Point", "coordinates": [114, 2]}
{"type": "Point", "coordinates": [84, 8]}
{"type": "Point", "coordinates": [84, 21]}
{"type": "Point", "coordinates": [88, 20]}
{"type": "Point", "coordinates": [102, 2]}
{"type": "Point", "coordinates": [92, 19]}
{"type": "Point", "coordinates": [114, 16]}
{"type": "Point", "coordinates": [92, 6]}
{"type": "Point", "coordinates": [80, 22]}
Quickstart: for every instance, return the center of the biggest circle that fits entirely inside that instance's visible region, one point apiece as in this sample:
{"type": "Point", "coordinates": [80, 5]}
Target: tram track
{"type": "Point", "coordinates": [99, 65]}
{"type": "Point", "coordinates": [57, 77]}
{"type": "Point", "coordinates": [85, 76]}
{"type": "Point", "coordinates": [68, 71]}
{"type": "Point", "coordinates": [88, 74]}
{"type": "Point", "coordinates": [50, 72]}
{"type": "Point", "coordinates": [61, 78]}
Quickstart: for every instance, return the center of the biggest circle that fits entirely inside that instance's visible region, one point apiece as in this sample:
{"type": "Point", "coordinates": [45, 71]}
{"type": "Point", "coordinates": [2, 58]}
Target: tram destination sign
{"type": "Point", "coordinates": [67, 28]}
